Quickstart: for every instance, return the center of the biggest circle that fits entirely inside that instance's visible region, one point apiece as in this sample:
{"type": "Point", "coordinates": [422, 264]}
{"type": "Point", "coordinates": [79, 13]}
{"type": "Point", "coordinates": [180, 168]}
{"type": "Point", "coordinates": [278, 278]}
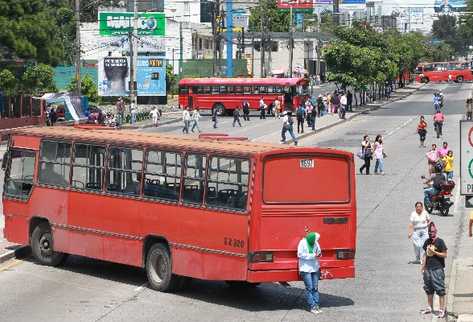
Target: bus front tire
{"type": "Point", "coordinates": [221, 111]}
{"type": "Point", "coordinates": [42, 246]}
{"type": "Point", "coordinates": [159, 269]}
{"type": "Point", "coordinates": [424, 80]}
{"type": "Point", "coordinates": [460, 79]}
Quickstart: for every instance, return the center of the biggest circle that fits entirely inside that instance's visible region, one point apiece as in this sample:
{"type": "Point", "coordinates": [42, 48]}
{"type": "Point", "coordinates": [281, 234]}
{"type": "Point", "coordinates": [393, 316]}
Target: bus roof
{"type": "Point", "coordinates": [129, 137]}
{"type": "Point", "coordinates": [242, 81]}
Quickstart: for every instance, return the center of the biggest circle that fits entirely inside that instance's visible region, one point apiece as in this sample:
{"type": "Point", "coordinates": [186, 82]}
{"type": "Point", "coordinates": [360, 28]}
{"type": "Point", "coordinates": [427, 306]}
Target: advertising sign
{"type": "Point", "coordinates": [113, 76]}
{"type": "Point", "coordinates": [120, 23]}
{"type": "Point", "coordinates": [151, 76]}
{"type": "Point", "coordinates": [466, 157]}
{"type": "Point", "coordinates": [353, 4]}
{"type": "Point", "coordinates": [296, 4]}
{"type": "Point", "coordinates": [450, 5]}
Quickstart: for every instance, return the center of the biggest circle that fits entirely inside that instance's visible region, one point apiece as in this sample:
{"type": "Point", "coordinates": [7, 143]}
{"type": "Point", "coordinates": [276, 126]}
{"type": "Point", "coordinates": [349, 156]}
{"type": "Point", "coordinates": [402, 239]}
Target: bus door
{"type": "Point", "coordinates": [190, 97]}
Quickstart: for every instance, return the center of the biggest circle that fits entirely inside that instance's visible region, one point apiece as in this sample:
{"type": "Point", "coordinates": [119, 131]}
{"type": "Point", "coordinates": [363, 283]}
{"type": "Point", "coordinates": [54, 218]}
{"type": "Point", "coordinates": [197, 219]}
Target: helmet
{"type": "Point", "coordinates": [438, 167]}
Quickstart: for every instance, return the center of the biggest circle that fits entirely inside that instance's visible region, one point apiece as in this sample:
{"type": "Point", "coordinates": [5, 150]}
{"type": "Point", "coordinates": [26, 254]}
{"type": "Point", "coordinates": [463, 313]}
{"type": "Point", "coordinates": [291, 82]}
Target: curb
{"type": "Point", "coordinates": [451, 285]}
{"type": "Point", "coordinates": [18, 252]}
{"type": "Point", "coordinates": [366, 108]}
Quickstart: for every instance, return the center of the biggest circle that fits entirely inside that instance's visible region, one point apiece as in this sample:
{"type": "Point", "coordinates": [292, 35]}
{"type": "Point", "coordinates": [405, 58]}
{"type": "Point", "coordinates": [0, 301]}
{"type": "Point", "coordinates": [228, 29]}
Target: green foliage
{"type": "Point", "coordinates": [38, 79]}
{"type": "Point", "coordinates": [36, 29]}
{"type": "Point", "coordinates": [7, 82]}
{"type": "Point", "coordinates": [277, 20]}
{"type": "Point", "coordinates": [88, 88]}
{"type": "Point", "coordinates": [440, 52]}
{"type": "Point", "coordinates": [171, 79]}
{"type": "Point", "coordinates": [448, 29]}
{"type": "Point", "coordinates": [89, 8]}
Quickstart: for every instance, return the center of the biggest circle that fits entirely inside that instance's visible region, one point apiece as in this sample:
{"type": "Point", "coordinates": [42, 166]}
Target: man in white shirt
{"type": "Point", "coordinates": [308, 252]}
{"type": "Point", "coordinates": [186, 118]}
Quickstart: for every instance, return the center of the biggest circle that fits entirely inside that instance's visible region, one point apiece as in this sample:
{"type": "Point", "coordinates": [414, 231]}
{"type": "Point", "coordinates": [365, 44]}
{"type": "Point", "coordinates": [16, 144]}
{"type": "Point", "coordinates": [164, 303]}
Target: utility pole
{"type": "Point", "coordinates": [229, 7]}
{"type": "Point", "coordinates": [253, 56]}
{"type": "Point", "coordinates": [215, 32]}
{"type": "Point", "coordinates": [291, 41]}
{"type": "Point", "coordinates": [317, 64]}
{"type": "Point", "coordinates": [262, 47]}
{"type": "Point", "coordinates": [269, 47]}
{"type": "Point", "coordinates": [336, 12]}
{"type": "Point", "coordinates": [77, 45]}
{"type": "Point", "coordinates": [181, 48]}
{"type": "Point", "coordinates": [131, 39]}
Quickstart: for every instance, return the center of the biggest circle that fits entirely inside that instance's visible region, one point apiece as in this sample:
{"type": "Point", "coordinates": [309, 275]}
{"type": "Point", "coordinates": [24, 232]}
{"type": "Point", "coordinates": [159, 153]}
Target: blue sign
{"type": "Point", "coordinates": [151, 76]}
{"type": "Point", "coordinates": [353, 1]}
{"type": "Point", "coordinates": [299, 20]}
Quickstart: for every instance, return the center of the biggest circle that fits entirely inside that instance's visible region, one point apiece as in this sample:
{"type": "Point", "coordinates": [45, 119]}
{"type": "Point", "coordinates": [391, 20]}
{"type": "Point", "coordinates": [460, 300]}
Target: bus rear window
{"type": "Point", "coordinates": [306, 180]}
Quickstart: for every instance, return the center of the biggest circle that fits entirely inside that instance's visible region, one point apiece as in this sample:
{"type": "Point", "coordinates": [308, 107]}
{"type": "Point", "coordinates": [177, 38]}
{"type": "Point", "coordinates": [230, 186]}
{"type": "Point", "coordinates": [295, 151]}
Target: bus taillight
{"type": "Point", "coordinates": [260, 257]}
{"type": "Point", "coordinates": [345, 254]}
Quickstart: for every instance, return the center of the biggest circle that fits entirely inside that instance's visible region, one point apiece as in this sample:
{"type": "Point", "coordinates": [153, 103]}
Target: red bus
{"type": "Point", "coordinates": [226, 94]}
{"type": "Point", "coordinates": [443, 72]}
{"type": "Point", "coordinates": [21, 110]}
{"type": "Point", "coordinates": [179, 207]}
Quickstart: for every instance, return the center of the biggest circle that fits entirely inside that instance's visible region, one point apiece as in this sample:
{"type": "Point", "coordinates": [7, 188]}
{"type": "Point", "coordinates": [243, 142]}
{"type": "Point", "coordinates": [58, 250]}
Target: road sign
{"type": "Point", "coordinates": [468, 201]}
{"type": "Point", "coordinates": [120, 23]}
{"type": "Point", "coordinates": [466, 157]}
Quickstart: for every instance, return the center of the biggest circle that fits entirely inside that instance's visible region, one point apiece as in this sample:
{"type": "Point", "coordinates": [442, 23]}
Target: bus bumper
{"type": "Point", "coordinates": [293, 275]}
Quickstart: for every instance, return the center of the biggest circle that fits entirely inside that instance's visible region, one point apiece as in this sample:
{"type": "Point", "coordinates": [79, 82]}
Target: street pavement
{"type": "Point", "coordinates": [386, 287]}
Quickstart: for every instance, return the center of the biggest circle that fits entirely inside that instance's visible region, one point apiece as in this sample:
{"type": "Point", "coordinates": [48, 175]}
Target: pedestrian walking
{"type": "Point", "coordinates": [379, 155]}
{"type": "Point", "coordinates": [308, 253]}
{"type": "Point", "coordinates": [443, 150]}
{"type": "Point", "coordinates": [417, 230]}
{"type": "Point", "coordinates": [214, 118]}
{"type": "Point", "coordinates": [469, 107]}
{"type": "Point", "coordinates": [133, 112]}
{"type": "Point", "coordinates": [236, 117]}
{"type": "Point", "coordinates": [262, 109]}
{"type": "Point", "coordinates": [277, 108]}
{"type": "Point", "coordinates": [246, 110]}
{"type": "Point", "coordinates": [52, 116]}
{"type": "Point", "coordinates": [155, 116]}
{"type": "Point", "coordinates": [195, 117]}
{"type": "Point", "coordinates": [120, 106]}
{"type": "Point", "coordinates": [422, 131]}
{"type": "Point", "coordinates": [320, 105]}
{"type": "Point", "coordinates": [439, 119]}
{"type": "Point", "coordinates": [344, 102]}
{"type": "Point", "coordinates": [448, 164]}
{"type": "Point", "coordinates": [349, 101]}
{"type": "Point", "coordinates": [309, 108]}
{"type": "Point", "coordinates": [433, 265]}
{"type": "Point", "coordinates": [186, 118]}
{"type": "Point", "coordinates": [367, 154]}
{"type": "Point", "coordinates": [300, 116]}
{"type": "Point", "coordinates": [432, 158]}
{"type": "Point", "coordinates": [313, 117]}
{"type": "Point", "coordinates": [329, 103]}
{"type": "Point", "coordinates": [287, 126]}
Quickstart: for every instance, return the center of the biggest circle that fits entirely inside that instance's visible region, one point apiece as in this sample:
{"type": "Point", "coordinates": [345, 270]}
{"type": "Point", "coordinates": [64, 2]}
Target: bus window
{"type": "Point", "coordinates": [302, 90]}
{"type": "Point", "coordinates": [193, 190]}
{"type": "Point", "coordinates": [183, 90]}
{"type": "Point", "coordinates": [228, 183]}
{"type": "Point", "coordinates": [263, 89]}
{"type": "Point", "coordinates": [88, 166]}
{"type": "Point", "coordinates": [223, 89]}
{"type": "Point", "coordinates": [124, 171]}
{"type": "Point", "coordinates": [238, 89]}
{"type": "Point", "coordinates": [215, 89]}
{"type": "Point", "coordinates": [247, 90]}
{"type": "Point", "coordinates": [196, 89]}
{"type": "Point", "coordinates": [206, 90]}
{"type": "Point", "coordinates": [54, 165]}
{"type": "Point", "coordinates": [231, 89]}
{"type": "Point", "coordinates": [271, 90]}
{"type": "Point", "coordinates": [19, 174]}
{"type": "Point", "coordinates": [162, 175]}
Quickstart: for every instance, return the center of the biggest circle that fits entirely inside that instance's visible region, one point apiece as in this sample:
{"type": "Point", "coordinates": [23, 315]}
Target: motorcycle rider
{"type": "Point", "coordinates": [435, 183]}
{"type": "Point", "coordinates": [439, 118]}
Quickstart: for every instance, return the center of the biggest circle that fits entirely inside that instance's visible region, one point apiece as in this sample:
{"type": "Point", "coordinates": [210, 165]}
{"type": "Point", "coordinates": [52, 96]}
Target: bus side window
{"type": "Point", "coordinates": [19, 174]}
{"type": "Point", "coordinates": [162, 175]}
{"type": "Point", "coordinates": [183, 90]}
{"type": "Point", "coordinates": [124, 171]}
{"type": "Point", "coordinates": [227, 183]}
{"type": "Point", "coordinates": [88, 166]}
{"type": "Point", "coordinates": [55, 163]}
{"type": "Point", "coordinates": [194, 178]}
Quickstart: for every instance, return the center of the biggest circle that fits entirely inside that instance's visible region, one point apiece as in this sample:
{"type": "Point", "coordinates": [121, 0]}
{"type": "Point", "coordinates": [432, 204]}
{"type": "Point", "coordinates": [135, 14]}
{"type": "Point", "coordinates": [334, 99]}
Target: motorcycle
{"type": "Point", "coordinates": [442, 200]}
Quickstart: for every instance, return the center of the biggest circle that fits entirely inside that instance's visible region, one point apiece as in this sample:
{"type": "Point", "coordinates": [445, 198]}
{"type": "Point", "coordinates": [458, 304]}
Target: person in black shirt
{"type": "Point", "coordinates": [433, 265]}
{"type": "Point", "coordinates": [246, 111]}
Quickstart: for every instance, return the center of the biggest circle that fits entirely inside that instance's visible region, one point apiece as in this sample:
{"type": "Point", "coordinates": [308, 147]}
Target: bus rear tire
{"type": "Point", "coordinates": [221, 111]}
{"type": "Point", "coordinates": [460, 79]}
{"type": "Point", "coordinates": [42, 246]}
{"type": "Point", "coordinates": [159, 269]}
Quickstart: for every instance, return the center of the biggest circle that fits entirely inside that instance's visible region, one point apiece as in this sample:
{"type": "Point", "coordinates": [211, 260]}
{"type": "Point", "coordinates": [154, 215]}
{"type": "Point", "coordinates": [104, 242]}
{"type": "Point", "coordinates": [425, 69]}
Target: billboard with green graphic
{"type": "Point", "coordinates": [120, 23]}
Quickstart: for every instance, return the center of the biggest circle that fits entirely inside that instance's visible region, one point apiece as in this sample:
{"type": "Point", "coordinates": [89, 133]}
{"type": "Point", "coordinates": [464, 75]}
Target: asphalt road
{"type": "Point", "coordinates": [386, 287]}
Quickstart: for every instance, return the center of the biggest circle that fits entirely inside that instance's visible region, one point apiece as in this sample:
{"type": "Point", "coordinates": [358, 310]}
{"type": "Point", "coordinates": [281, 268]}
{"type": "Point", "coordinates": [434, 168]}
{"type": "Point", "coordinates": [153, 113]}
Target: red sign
{"type": "Point", "coordinates": [296, 4]}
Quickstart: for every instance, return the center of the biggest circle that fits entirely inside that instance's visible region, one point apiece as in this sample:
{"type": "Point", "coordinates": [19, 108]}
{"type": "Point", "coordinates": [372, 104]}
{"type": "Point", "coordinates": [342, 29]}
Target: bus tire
{"type": "Point", "coordinates": [459, 79]}
{"type": "Point", "coordinates": [159, 269]}
{"type": "Point", "coordinates": [42, 246]}
{"type": "Point", "coordinates": [221, 111]}
{"type": "Point", "coordinates": [424, 80]}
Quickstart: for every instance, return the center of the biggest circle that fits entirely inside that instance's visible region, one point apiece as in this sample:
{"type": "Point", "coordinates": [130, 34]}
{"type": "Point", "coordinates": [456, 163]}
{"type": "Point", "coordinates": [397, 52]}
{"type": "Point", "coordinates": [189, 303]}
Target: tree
{"type": "Point", "coordinates": [88, 87]}
{"type": "Point", "coordinates": [171, 80]}
{"type": "Point", "coordinates": [277, 20]}
{"type": "Point", "coordinates": [38, 79]}
{"type": "Point", "coordinates": [89, 8]}
{"type": "Point", "coordinates": [447, 29]}
{"type": "Point", "coordinates": [7, 82]}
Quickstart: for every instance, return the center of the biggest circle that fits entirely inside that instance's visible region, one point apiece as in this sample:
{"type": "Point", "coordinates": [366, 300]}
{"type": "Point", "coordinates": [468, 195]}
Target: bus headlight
{"type": "Point", "coordinates": [261, 257]}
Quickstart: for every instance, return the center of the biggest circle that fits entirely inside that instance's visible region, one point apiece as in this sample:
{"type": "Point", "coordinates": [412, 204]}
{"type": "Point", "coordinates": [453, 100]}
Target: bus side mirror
{"type": "Point", "coordinates": [6, 158]}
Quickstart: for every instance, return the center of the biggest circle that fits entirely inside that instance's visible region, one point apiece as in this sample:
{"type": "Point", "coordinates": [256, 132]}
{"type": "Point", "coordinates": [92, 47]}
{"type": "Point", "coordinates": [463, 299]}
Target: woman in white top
{"type": "Point", "coordinates": [379, 155]}
{"type": "Point", "coordinates": [308, 252]}
{"type": "Point", "coordinates": [417, 231]}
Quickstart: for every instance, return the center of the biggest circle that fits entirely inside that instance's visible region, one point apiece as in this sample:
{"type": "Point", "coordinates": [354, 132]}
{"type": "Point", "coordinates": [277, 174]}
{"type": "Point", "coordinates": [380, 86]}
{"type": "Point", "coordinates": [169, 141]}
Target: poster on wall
{"type": "Point", "coordinates": [450, 6]}
{"type": "Point", "coordinates": [113, 76]}
{"type": "Point", "coordinates": [151, 76]}
{"type": "Point", "coordinates": [296, 4]}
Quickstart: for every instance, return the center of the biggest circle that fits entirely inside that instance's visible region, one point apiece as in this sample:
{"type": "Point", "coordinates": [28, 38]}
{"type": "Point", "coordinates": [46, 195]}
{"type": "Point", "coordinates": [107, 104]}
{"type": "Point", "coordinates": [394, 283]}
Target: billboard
{"type": "Point", "coordinates": [151, 76]}
{"type": "Point", "coordinates": [450, 5]}
{"type": "Point", "coordinates": [353, 4]}
{"type": "Point", "coordinates": [121, 23]}
{"type": "Point", "coordinates": [113, 76]}
{"type": "Point", "coordinates": [296, 4]}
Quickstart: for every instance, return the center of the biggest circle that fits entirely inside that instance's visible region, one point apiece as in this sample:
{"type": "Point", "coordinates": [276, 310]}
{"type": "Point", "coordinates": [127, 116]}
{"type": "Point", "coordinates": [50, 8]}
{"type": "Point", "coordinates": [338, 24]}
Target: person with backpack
{"type": "Point", "coordinates": [366, 154]}
{"type": "Point", "coordinates": [287, 126]}
{"type": "Point", "coordinates": [300, 116]}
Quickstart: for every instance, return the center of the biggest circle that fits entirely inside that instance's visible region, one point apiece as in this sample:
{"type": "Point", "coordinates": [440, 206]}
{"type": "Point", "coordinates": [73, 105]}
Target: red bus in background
{"type": "Point", "coordinates": [226, 94]}
{"type": "Point", "coordinates": [443, 72]}
{"type": "Point", "coordinates": [180, 207]}
{"type": "Point", "coordinates": [21, 110]}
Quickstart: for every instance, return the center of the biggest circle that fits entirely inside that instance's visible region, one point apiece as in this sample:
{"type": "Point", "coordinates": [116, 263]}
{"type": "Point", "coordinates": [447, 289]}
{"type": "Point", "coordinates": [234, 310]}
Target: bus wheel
{"type": "Point", "coordinates": [220, 109]}
{"type": "Point", "coordinates": [42, 246]}
{"type": "Point", "coordinates": [159, 269]}
{"type": "Point", "coordinates": [460, 79]}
